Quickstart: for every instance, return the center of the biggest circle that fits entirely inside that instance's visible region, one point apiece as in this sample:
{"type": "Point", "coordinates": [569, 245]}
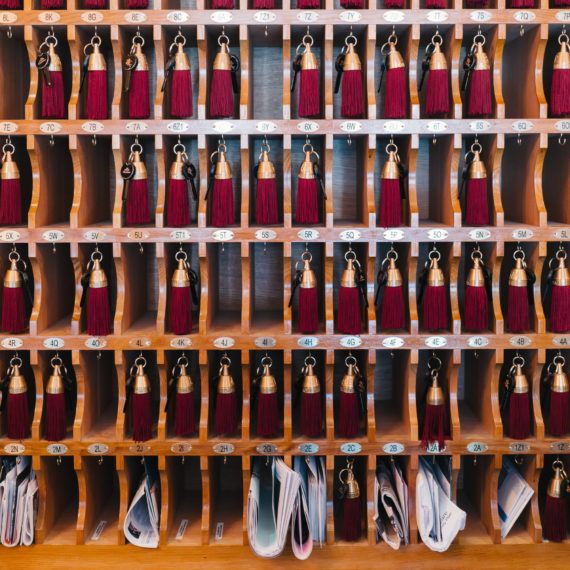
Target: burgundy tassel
{"type": "Point", "coordinates": [562, 2]}
{"type": "Point", "coordinates": [435, 308]}
{"type": "Point", "coordinates": [522, 3]}
{"type": "Point", "coordinates": [53, 97]}
{"type": "Point", "coordinates": [221, 94]}
{"type": "Point", "coordinates": [18, 416]}
{"type": "Point", "coordinates": [178, 207]}
{"type": "Point", "coordinates": [222, 203]}
{"type": "Point", "coordinates": [555, 520]}
{"type": "Point", "coordinates": [309, 93]}
{"type": "Point", "coordinates": [349, 4]}
{"type": "Point", "coordinates": [226, 414]}
{"type": "Point", "coordinates": [184, 414]}
{"type": "Point", "coordinates": [519, 415]}
{"type": "Point", "coordinates": [97, 95]}
{"type": "Point", "coordinates": [352, 103]}
{"type": "Point", "coordinates": [10, 5]}
{"type": "Point", "coordinates": [142, 416]}
{"type": "Point", "coordinates": [351, 519]}
{"type": "Point", "coordinates": [393, 310]}
{"type": "Point", "coordinates": [138, 211]}
{"type": "Point", "coordinates": [267, 415]}
{"type": "Point", "coordinates": [222, 4]}
{"type": "Point", "coordinates": [476, 308]}
{"type": "Point", "coordinates": [307, 201]}
{"type": "Point", "coordinates": [476, 208]}
{"type": "Point", "coordinates": [55, 420]}
{"type": "Point", "coordinates": [390, 203]}
{"type": "Point", "coordinates": [308, 4]}
{"type": "Point", "coordinates": [349, 310]}
{"type": "Point", "coordinates": [391, 4]}
{"type": "Point", "coordinates": [479, 103]}
{"type": "Point", "coordinates": [308, 310]}
{"type": "Point", "coordinates": [98, 311]}
{"type": "Point", "coordinates": [349, 421]}
{"type": "Point", "coordinates": [560, 308]}
{"type": "Point", "coordinates": [10, 200]}
{"type": "Point", "coordinates": [266, 201]}
{"type": "Point", "coordinates": [311, 414]}
{"type": "Point", "coordinates": [136, 4]}
{"type": "Point", "coordinates": [518, 319]}
{"type": "Point", "coordinates": [139, 94]}
{"type": "Point", "coordinates": [94, 4]}
{"type": "Point", "coordinates": [477, 3]}
{"type": "Point", "coordinates": [263, 4]}
{"type": "Point", "coordinates": [52, 4]}
{"type": "Point", "coordinates": [181, 104]}
{"type": "Point", "coordinates": [436, 4]}
{"type": "Point", "coordinates": [560, 83]}
{"type": "Point", "coordinates": [437, 95]}
{"type": "Point", "coordinates": [13, 310]}
{"type": "Point", "coordinates": [559, 413]}
{"type": "Point", "coordinates": [180, 310]}
{"type": "Point", "coordinates": [435, 422]}
{"type": "Point", "coordinates": [395, 95]}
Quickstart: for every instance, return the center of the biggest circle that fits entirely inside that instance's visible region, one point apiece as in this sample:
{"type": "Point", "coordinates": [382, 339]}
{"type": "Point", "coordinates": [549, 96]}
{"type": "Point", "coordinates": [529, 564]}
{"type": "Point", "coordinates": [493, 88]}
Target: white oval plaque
{"type": "Point", "coordinates": [436, 341]}
{"type": "Point", "coordinates": [95, 343]}
{"type": "Point", "coordinates": [393, 342]}
{"type": "Point", "coordinates": [266, 126]}
{"type": "Point", "coordinates": [50, 127]}
{"type": "Point", "coordinates": [393, 448]}
{"type": "Point", "coordinates": [437, 235]}
{"type": "Point", "coordinates": [393, 235]}
{"type": "Point", "coordinates": [265, 17]}
{"type": "Point", "coordinates": [350, 448]}
{"type": "Point", "coordinates": [477, 341]}
{"type": "Point", "coordinates": [94, 235]}
{"type": "Point", "coordinates": [308, 126]}
{"type": "Point", "coordinates": [478, 235]}
{"type": "Point", "coordinates": [308, 342]}
{"type": "Point", "coordinates": [14, 448]}
{"type": "Point", "coordinates": [477, 447]}
{"type": "Point", "coordinates": [224, 342]}
{"type": "Point", "coordinates": [178, 126]}
{"type": "Point", "coordinates": [265, 235]}
{"type": "Point", "coordinates": [177, 17]}
{"type": "Point", "coordinates": [12, 343]}
{"type": "Point", "coordinates": [181, 342]}
{"type": "Point", "coordinates": [223, 235]}
{"type": "Point", "coordinates": [309, 448]}
{"type": "Point", "coordinates": [265, 342]}
{"type": "Point", "coordinates": [98, 449]}
{"type": "Point", "coordinates": [179, 235]}
{"type": "Point", "coordinates": [54, 343]}
{"type": "Point", "coordinates": [308, 234]}
{"type": "Point", "coordinates": [57, 449]}
{"type": "Point", "coordinates": [520, 341]}
{"type": "Point", "coordinates": [224, 448]}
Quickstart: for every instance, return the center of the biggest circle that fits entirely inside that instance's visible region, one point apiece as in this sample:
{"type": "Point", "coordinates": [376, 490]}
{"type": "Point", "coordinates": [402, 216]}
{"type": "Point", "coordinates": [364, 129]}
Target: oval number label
{"type": "Point", "coordinates": [393, 448]}
{"type": "Point", "coordinates": [224, 448]}
{"type": "Point", "coordinates": [181, 448]}
{"type": "Point", "coordinates": [177, 17]}
{"type": "Point", "coordinates": [393, 16]}
{"type": "Point", "coordinates": [98, 449]}
{"type": "Point", "coordinates": [519, 447]}
{"type": "Point", "coordinates": [477, 447]}
{"type": "Point", "coordinates": [95, 343]}
{"type": "Point", "coordinates": [94, 235]}
{"type": "Point", "coordinates": [308, 235]}
{"type": "Point", "coordinates": [178, 126]}
{"type": "Point", "coordinates": [179, 235]}
{"type": "Point", "coordinates": [350, 235]}
{"type": "Point", "coordinates": [265, 342]}
{"type": "Point", "coordinates": [437, 235]}
{"type": "Point", "coordinates": [224, 342]}
{"type": "Point", "coordinates": [11, 343]}
{"type": "Point", "coordinates": [308, 342]}
{"type": "Point", "coordinates": [265, 17]}
{"type": "Point", "coordinates": [393, 235]}
{"type": "Point", "coordinates": [265, 235]}
{"type": "Point", "coordinates": [478, 235]}
{"type": "Point", "coordinates": [57, 449]}
{"type": "Point", "coordinates": [436, 341]}
{"type": "Point", "coordinates": [92, 127]}
{"type": "Point", "coordinates": [520, 341]}
{"type": "Point", "coordinates": [266, 126]}
{"type": "Point", "coordinates": [136, 126]}
{"type": "Point", "coordinates": [350, 342]}
{"type": "Point", "coordinates": [221, 17]}
{"type": "Point", "coordinates": [309, 448]}
{"type": "Point", "coordinates": [54, 343]}
{"type": "Point", "coordinates": [266, 448]}
{"type": "Point", "coordinates": [308, 127]}
{"type": "Point", "coordinates": [393, 342]}
{"type": "Point", "coordinates": [223, 235]}
{"type": "Point", "coordinates": [92, 17]}
{"type": "Point", "coordinates": [9, 235]}
{"type": "Point", "coordinates": [181, 342]}
{"type": "Point", "coordinates": [351, 448]}
{"type": "Point", "coordinates": [14, 448]}
{"type": "Point", "coordinates": [477, 341]}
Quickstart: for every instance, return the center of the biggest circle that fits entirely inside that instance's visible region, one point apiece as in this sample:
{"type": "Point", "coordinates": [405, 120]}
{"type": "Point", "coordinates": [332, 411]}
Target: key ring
{"type": "Point", "coordinates": [138, 39]}
{"type": "Point", "coordinates": [391, 145]}
{"type": "Point", "coordinates": [350, 360]}
{"type": "Point", "coordinates": [307, 256]}
{"type": "Point", "coordinates": [136, 147]}
{"type": "Point", "coordinates": [96, 255]}
{"type": "Point", "coordinates": [310, 359]}
{"type": "Point", "coordinates": [264, 147]}
{"type": "Point", "coordinates": [267, 361]}
{"type": "Point", "coordinates": [518, 360]}
{"type": "Point", "coordinates": [350, 36]}
{"type": "Point", "coordinates": [56, 361]}
{"type": "Point", "coordinates": [391, 254]}
{"type": "Point", "coordinates": [434, 254]}
{"type": "Point", "coordinates": [225, 38]}
{"type": "Point", "coordinates": [434, 364]}
{"type": "Point", "coordinates": [16, 361]}
{"type": "Point", "coordinates": [181, 254]}
{"type": "Point", "coordinates": [519, 253]}
{"type": "Point", "coordinates": [348, 256]}
{"type": "Point", "coordinates": [182, 361]}
{"type": "Point", "coordinates": [225, 360]}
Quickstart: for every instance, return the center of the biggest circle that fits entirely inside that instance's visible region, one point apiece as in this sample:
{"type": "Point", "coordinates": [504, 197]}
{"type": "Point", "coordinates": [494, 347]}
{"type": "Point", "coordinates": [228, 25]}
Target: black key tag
{"type": "Point", "coordinates": [189, 173]}
{"type": "Point", "coordinates": [167, 70]}
{"type": "Point", "coordinates": [129, 64]}
{"type": "Point", "coordinates": [128, 170]}
{"type": "Point", "coordinates": [235, 68]}
{"type": "Point", "coordinates": [468, 65]}
{"type": "Point", "coordinates": [42, 63]}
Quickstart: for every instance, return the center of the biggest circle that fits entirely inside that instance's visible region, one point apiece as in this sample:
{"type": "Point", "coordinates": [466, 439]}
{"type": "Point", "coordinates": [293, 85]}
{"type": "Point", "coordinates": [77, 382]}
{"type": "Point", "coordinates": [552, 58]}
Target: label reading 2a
{"type": "Point", "coordinates": [351, 448]}
{"type": "Point", "coordinates": [477, 447]}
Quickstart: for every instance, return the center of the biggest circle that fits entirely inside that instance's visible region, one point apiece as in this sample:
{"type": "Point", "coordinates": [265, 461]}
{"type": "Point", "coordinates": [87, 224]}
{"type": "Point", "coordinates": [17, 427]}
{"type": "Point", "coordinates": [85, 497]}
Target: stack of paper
{"type": "Point", "coordinates": [391, 505]}
{"type": "Point", "coordinates": [439, 518]}
{"type": "Point", "coordinates": [514, 495]}
{"type": "Point", "coordinates": [275, 499]}
{"type": "Point", "coordinates": [141, 522]}
{"type": "Point", "coordinates": [18, 501]}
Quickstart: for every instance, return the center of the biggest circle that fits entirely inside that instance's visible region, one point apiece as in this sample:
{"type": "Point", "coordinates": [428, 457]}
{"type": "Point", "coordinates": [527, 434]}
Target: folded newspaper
{"type": "Point", "coordinates": [142, 520]}
{"type": "Point", "coordinates": [514, 495]}
{"type": "Point", "coordinates": [18, 501]}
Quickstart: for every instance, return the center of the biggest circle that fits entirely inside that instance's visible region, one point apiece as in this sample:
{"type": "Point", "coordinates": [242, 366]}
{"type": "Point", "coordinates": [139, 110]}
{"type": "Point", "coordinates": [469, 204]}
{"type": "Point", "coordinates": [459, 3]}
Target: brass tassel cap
{"type": "Point", "coordinates": [562, 59]}
{"type": "Point", "coordinates": [181, 61]}
{"type": "Point", "coordinates": [184, 384]}
{"type": "Point", "coordinates": [393, 275]}
{"type": "Point", "coordinates": [390, 170]}
{"type": "Point", "coordinates": [265, 170]}
{"type": "Point", "coordinates": [223, 170]}
{"type": "Point", "coordinates": [394, 59]}
{"type": "Point", "coordinates": [54, 61]}
{"type": "Point", "coordinates": [222, 61]}
{"type": "Point", "coordinates": [517, 276]}
{"type": "Point", "coordinates": [435, 395]}
{"type": "Point", "coordinates": [348, 278]}
{"type": "Point", "coordinates": [308, 278]}
{"type": "Point", "coordinates": [351, 60]}
{"type": "Point", "coordinates": [559, 381]}
{"type": "Point", "coordinates": [96, 60]}
{"type": "Point", "coordinates": [142, 381]}
{"type": "Point", "coordinates": [55, 382]}
{"type": "Point", "coordinates": [177, 168]}
{"type": "Point", "coordinates": [308, 59]}
{"type": "Point", "coordinates": [311, 383]}
{"type": "Point", "coordinates": [476, 275]}
{"type": "Point", "coordinates": [17, 383]}
{"type": "Point", "coordinates": [97, 279]}
{"type": "Point", "coordinates": [481, 59]}
{"type": "Point", "coordinates": [348, 380]}
{"type": "Point", "coordinates": [520, 381]}
{"type": "Point", "coordinates": [140, 167]}
{"type": "Point", "coordinates": [180, 277]}
{"type": "Point", "coordinates": [10, 169]}
{"type": "Point", "coordinates": [352, 487]}
{"type": "Point", "coordinates": [142, 62]}
{"type": "Point", "coordinates": [268, 384]}
{"type": "Point", "coordinates": [13, 278]}
{"type": "Point", "coordinates": [556, 484]}
{"type": "Point", "coordinates": [561, 275]}
{"type": "Point", "coordinates": [306, 170]}
{"type": "Point", "coordinates": [435, 273]}
{"type": "Point", "coordinates": [477, 168]}
{"type": "Point", "coordinates": [437, 60]}
{"type": "Point", "coordinates": [226, 384]}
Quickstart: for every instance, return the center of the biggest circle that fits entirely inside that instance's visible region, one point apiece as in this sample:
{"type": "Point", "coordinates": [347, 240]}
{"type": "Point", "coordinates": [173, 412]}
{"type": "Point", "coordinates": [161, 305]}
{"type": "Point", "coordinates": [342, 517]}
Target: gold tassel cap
{"type": "Point", "coordinates": [55, 382]}
{"type": "Point", "coordinates": [308, 59]}
{"type": "Point", "coordinates": [140, 167]}
{"type": "Point", "coordinates": [184, 384]}
{"type": "Point", "coordinates": [351, 60]}
{"type": "Point", "coordinates": [268, 384]}
{"type": "Point", "coordinates": [477, 168]}
{"type": "Point", "coordinates": [306, 170]}
{"type": "Point", "coordinates": [481, 59]}
{"type": "Point", "coordinates": [17, 383]}
{"type": "Point", "coordinates": [394, 59]}
{"type": "Point", "coordinates": [435, 273]}
{"type": "Point", "coordinates": [13, 278]}
{"type": "Point", "coordinates": [556, 484]}
{"type": "Point", "coordinates": [181, 61]}
{"type": "Point", "coordinates": [177, 167]}
{"type": "Point", "coordinates": [180, 277]}
{"type": "Point", "coordinates": [97, 279]}
{"type": "Point", "coordinates": [390, 170]}
{"type": "Point", "coordinates": [348, 278]}
{"type": "Point", "coordinates": [561, 275]}
{"type": "Point", "coordinates": [437, 60]}
{"type": "Point", "coordinates": [352, 487]}
{"type": "Point", "coordinates": [517, 276]}
{"type": "Point", "coordinates": [311, 383]}
{"type": "Point", "coordinates": [520, 381]}
{"type": "Point", "coordinates": [559, 381]}
{"type": "Point", "coordinates": [10, 169]}
{"type": "Point", "coordinates": [562, 59]}
{"type": "Point", "coordinates": [142, 62]}
{"type": "Point", "coordinates": [226, 384]}
{"type": "Point", "coordinates": [54, 61]}
{"type": "Point", "coordinates": [142, 381]}
{"type": "Point", "coordinates": [96, 60]}
{"type": "Point", "coordinates": [308, 278]}
{"type": "Point", "coordinates": [222, 61]}
{"type": "Point", "coordinates": [348, 380]}
{"type": "Point", "coordinates": [265, 170]}
{"type": "Point", "coordinates": [435, 395]}
{"type": "Point", "coordinates": [223, 170]}
{"type": "Point", "coordinates": [476, 275]}
{"type": "Point", "coordinates": [393, 275]}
